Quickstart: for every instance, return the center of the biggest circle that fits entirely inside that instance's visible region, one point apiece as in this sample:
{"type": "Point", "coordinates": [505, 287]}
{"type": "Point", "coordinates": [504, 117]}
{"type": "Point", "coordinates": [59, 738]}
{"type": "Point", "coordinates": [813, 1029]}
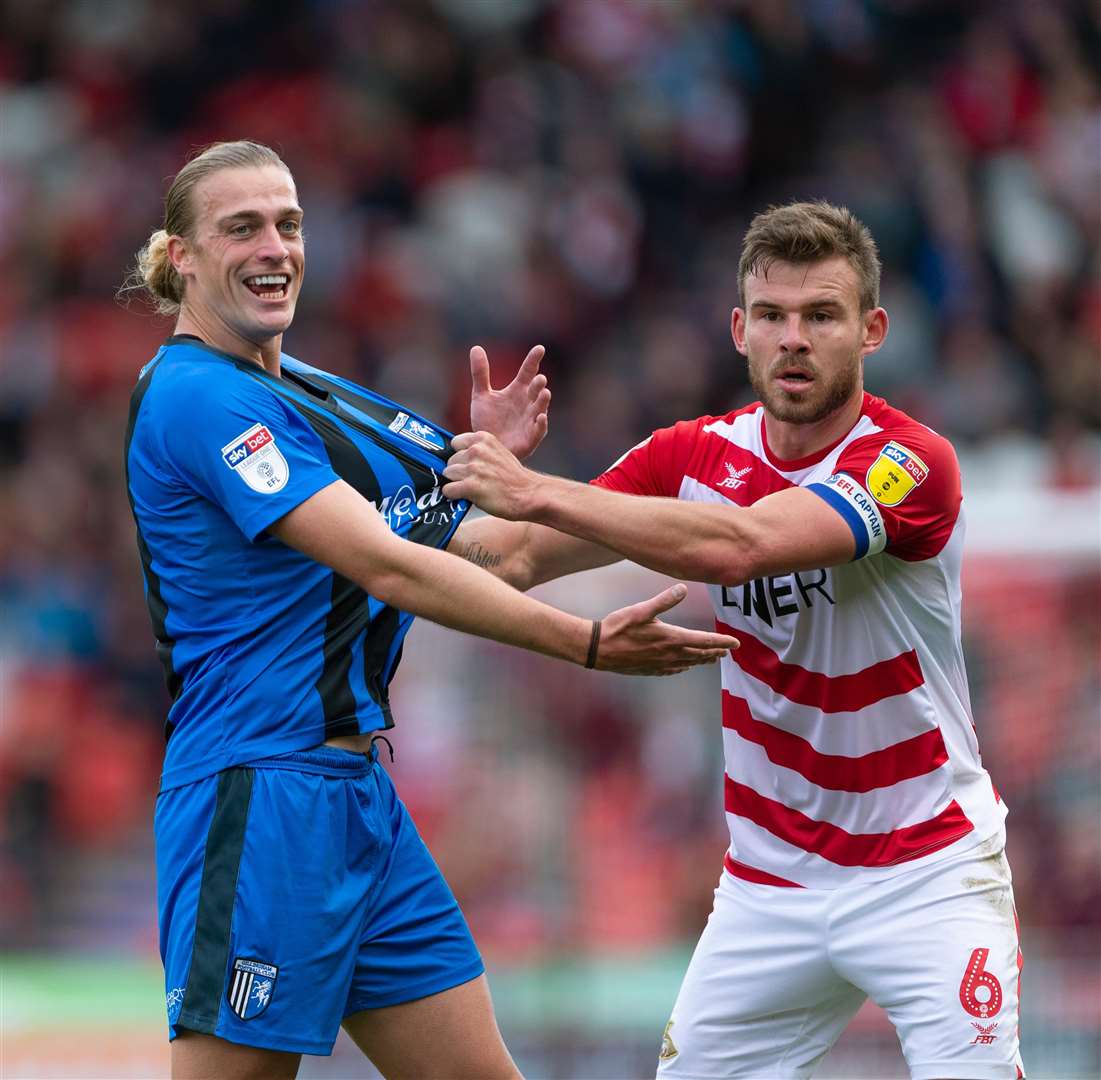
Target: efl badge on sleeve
{"type": "Point", "coordinates": [251, 987]}
{"type": "Point", "coordinates": [894, 474]}
{"type": "Point", "coordinates": [255, 458]}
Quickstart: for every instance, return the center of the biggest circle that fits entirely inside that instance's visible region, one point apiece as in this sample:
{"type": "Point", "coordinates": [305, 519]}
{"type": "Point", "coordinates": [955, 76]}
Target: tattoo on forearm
{"type": "Point", "coordinates": [475, 553]}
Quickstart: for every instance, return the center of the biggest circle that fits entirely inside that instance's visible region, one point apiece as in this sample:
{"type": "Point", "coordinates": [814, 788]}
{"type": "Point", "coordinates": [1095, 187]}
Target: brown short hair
{"type": "Point", "coordinates": [153, 271]}
{"type": "Point", "coordinates": [808, 232]}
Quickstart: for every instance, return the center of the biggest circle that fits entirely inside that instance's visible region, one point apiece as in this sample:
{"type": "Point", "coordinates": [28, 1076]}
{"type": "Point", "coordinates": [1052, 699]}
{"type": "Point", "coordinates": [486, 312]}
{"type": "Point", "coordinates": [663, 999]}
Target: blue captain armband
{"type": "Point", "coordinates": [858, 509]}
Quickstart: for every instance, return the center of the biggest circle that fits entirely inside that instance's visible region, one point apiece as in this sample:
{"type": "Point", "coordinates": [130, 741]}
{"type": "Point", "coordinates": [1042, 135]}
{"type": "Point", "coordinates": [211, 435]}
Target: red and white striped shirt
{"type": "Point", "coordinates": [850, 749]}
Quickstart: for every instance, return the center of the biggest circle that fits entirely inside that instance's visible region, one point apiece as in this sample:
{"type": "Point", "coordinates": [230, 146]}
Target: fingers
{"type": "Point", "coordinates": [652, 608]}
{"type": "Point", "coordinates": [466, 439]}
{"type": "Point", "coordinates": [655, 648]}
{"type": "Point", "coordinates": [479, 370]}
{"type": "Point", "coordinates": [530, 366]}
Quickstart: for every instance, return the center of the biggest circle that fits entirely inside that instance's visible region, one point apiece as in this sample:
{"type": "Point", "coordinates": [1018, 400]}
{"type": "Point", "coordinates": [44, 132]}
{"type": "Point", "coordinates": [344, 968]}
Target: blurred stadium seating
{"type": "Point", "coordinates": [576, 172]}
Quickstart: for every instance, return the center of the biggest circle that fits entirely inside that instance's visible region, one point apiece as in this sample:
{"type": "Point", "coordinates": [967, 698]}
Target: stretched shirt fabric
{"type": "Point", "coordinates": [265, 650]}
{"type": "Point", "coordinates": [850, 748]}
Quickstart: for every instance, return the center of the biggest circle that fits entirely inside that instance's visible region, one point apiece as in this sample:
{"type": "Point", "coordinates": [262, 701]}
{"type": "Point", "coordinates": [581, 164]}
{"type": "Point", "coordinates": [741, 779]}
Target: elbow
{"type": "Point", "coordinates": [730, 560]}
{"type": "Point", "coordinates": [388, 571]}
{"type": "Point", "coordinates": [522, 578]}
{"type": "Point", "coordinates": [391, 586]}
{"type": "Point", "coordinates": [714, 566]}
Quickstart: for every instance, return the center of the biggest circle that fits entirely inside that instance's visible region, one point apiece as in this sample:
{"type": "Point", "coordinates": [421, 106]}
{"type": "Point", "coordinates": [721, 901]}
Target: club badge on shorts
{"type": "Point", "coordinates": [894, 474]}
{"type": "Point", "coordinates": [251, 987]}
{"type": "Point", "coordinates": [255, 458]}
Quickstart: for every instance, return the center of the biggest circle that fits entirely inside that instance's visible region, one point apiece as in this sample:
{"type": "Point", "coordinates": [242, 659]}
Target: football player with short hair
{"type": "Point", "coordinates": [867, 841]}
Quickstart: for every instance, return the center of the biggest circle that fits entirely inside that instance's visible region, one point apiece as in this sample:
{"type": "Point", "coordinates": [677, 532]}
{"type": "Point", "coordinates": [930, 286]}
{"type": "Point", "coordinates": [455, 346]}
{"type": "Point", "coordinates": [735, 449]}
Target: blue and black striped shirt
{"type": "Point", "coordinates": [265, 650]}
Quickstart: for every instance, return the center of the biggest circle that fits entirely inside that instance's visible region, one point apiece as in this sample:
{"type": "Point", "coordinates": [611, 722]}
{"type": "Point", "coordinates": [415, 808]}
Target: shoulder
{"type": "Point", "coordinates": [190, 382]}
{"type": "Point", "coordinates": [912, 474]}
{"type": "Point", "coordinates": [903, 427]}
{"type": "Point", "coordinates": [199, 406]}
{"type": "Point", "coordinates": [901, 446]}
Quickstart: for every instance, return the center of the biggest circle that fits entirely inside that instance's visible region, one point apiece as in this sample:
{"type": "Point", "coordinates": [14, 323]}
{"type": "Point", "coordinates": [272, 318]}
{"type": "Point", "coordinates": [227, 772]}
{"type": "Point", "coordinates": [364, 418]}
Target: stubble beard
{"type": "Point", "coordinates": [826, 398]}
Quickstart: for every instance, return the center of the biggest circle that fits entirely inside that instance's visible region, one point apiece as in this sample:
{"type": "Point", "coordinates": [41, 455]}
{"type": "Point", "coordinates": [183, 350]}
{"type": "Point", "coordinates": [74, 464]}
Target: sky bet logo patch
{"type": "Point", "coordinates": [894, 474]}
{"type": "Point", "coordinates": [255, 458]}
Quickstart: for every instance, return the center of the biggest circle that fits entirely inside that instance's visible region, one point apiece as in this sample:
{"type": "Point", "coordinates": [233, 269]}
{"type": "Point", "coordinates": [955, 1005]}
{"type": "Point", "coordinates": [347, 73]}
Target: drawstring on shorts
{"type": "Point", "coordinates": [389, 745]}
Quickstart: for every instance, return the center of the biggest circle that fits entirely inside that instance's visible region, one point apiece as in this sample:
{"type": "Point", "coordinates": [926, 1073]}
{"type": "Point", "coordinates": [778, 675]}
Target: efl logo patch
{"type": "Point", "coordinates": [255, 458]}
{"type": "Point", "coordinates": [894, 474]}
{"type": "Point", "coordinates": [251, 987]}
{"type": "Point", "coordinates": [418, 432]}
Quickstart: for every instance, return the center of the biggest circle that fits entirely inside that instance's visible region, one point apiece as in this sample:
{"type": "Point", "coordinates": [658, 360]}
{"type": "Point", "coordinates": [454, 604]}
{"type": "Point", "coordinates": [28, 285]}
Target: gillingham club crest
{"type": "Point", "coordinates": [251, 987]}
{"type": "Point", "coordinates": [419, 432]}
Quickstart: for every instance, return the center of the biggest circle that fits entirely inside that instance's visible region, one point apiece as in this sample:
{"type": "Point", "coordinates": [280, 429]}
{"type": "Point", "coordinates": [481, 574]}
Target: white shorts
{"type": "Point", "coordinates": [779, 973]}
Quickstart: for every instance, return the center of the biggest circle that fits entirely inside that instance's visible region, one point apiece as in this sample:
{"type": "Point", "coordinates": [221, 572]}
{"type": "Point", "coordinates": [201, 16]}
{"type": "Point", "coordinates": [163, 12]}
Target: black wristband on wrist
{"type": "Point", "coordinates": [594, 645]}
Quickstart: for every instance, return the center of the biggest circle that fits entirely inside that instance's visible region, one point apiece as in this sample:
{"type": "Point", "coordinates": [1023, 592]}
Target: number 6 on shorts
{"type": "Point", "coordinates": [975, 977]}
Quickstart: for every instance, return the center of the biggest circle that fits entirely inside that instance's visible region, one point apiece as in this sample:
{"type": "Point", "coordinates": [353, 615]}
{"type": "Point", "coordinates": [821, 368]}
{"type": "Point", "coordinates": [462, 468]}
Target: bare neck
{"type": "Point", "coordinates": [266, 354]}
{"type": "Point", "coordinates": [792, 442]}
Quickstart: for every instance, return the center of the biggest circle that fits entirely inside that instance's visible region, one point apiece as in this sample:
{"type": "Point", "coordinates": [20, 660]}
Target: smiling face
{"type": "Point", "coordinates": [242, 267]}
{"type": "Point", "coordinates": [805, 338]}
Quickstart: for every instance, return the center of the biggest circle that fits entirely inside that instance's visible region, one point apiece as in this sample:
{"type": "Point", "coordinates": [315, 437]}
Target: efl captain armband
{"type": "Point", "coordinates": [858, 509]}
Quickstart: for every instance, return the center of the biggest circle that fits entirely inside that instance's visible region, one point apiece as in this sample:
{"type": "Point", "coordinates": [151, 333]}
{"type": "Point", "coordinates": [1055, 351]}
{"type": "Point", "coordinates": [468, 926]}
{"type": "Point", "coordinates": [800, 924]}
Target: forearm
{"type": "Point", "coordinates": [719, 544]}
{"type": "Point", "coordinates": [497, 546]}
{"type": "Point", "coordinates": [454, 593]}
{"type": "Point", "coordinates": [338, 528]}
{"type": "Point", "coordinates": [525, 554]}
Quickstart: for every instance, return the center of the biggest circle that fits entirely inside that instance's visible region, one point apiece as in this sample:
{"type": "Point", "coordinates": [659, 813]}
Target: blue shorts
{"type": "Point", "coordinates": [294, 891]}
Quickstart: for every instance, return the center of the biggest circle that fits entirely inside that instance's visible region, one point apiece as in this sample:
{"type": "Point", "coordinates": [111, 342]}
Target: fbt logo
{"type": "Point", "coordinates": [734, 479]}
{"type": "Point", "coordinates": [254, 440]}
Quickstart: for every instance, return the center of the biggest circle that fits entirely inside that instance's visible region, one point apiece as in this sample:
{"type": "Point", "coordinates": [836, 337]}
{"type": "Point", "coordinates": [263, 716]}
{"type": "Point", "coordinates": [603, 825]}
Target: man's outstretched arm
{"type": "Point", "coordinates": [525, 554]}
{"type": "Point", "coordinates": [721, 544]}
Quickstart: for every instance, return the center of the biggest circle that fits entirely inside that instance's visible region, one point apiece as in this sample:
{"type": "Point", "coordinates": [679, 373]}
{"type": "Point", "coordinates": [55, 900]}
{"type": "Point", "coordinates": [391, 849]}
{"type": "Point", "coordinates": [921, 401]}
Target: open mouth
{"type": "Point", "coordinates": [794, 378]}
{"type": "Point", "coordinates": [268, 286]}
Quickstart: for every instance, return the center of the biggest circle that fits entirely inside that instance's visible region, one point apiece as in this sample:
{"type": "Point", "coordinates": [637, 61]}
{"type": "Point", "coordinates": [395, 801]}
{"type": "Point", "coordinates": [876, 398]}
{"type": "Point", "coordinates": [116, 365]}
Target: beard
{"type": "Point", "coordinates": [826, 397]}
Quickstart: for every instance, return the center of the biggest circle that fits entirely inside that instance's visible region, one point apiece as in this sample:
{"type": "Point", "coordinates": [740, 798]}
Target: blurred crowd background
{"type": "Point", "coordinates": [577, 173]}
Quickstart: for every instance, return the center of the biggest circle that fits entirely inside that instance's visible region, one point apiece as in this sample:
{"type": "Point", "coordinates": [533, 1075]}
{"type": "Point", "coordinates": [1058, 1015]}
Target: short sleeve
{"type": "Point", "coordinates": [657, 465]}
{"type": "Point", "coordinates": [242, 446]}
{"type": "Point", "coordinates": [899, 492]}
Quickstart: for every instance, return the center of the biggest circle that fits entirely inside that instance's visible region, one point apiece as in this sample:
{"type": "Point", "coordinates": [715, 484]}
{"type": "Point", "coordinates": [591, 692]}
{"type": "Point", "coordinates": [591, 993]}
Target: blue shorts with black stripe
{"type": "Point", "coordinates": [295, 891]}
